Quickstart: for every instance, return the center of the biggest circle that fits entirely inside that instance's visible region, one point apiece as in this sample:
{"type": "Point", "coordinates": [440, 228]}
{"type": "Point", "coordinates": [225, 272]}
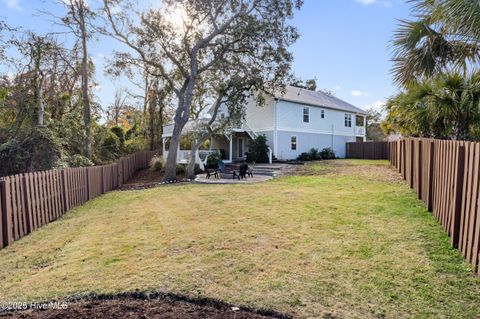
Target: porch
{"type": "Point", "coordinates": [232, 147]}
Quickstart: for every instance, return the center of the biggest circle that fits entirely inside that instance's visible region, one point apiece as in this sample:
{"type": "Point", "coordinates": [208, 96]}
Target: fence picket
{"type": "Point", "coordinates": [31, 200]}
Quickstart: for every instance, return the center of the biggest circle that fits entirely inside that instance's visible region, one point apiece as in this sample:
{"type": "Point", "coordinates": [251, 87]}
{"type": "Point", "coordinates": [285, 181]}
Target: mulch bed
{"type": "Point", "coordinates": [143, 306]}
{"type": "Point", "coordinates": [146, 178]}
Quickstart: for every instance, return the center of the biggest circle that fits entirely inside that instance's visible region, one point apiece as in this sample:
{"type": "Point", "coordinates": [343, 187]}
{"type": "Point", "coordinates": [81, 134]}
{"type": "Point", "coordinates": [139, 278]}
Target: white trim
{"type": "Point", "coordinates": [296, 143]}
{"type": "Point", "coordinates": [240, 141]}
{"type": "Point", "coordinates": [303, 114]}
{"type": "Point", "coordinates": [231, 148]}
{"type": "Point", "coordinates": [313, 131]}
{"type": "Point", "coordinates": [275, 120]}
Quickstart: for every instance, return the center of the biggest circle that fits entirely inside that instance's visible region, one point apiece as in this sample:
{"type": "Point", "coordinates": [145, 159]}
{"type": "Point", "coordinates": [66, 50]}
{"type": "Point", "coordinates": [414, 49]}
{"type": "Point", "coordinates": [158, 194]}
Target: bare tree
{"type": "Point", "coordinates": [183, 39]}
{"type": "Point", "coordinates": [117, 108]}
{"type": "Point", "coordinates": [79, 18]}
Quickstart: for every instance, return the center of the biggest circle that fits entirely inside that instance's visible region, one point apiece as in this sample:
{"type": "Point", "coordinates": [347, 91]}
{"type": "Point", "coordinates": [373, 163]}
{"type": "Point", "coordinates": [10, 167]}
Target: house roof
{"type": "Point", "coordinates": [315, 98]}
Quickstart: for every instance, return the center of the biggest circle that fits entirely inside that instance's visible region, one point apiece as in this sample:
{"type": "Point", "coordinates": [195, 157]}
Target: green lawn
{"type": "Point", "coordinates": [343, 238]}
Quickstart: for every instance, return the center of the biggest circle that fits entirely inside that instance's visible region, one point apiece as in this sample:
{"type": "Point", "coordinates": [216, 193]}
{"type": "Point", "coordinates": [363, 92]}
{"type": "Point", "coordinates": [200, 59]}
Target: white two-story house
{"type": "Point", "coordinates": [293, 122]}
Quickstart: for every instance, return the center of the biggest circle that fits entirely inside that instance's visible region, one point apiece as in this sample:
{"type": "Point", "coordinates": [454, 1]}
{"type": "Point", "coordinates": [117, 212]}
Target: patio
{"type": "Point", "coordinates": [202, 179]}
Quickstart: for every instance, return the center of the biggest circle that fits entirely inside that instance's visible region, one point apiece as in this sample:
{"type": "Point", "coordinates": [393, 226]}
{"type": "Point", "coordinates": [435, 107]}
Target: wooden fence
{"type": "Point", "coordinates": [29, 201]}
{"type": "Point", "coordinates": [446, 177]}
{"type": "Point", "coordinates": [367, 150]}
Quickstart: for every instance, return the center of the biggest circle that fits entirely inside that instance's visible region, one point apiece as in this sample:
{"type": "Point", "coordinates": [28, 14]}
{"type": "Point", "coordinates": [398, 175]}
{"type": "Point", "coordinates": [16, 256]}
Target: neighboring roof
{"type": "Point", "coordinates": [315, 98]}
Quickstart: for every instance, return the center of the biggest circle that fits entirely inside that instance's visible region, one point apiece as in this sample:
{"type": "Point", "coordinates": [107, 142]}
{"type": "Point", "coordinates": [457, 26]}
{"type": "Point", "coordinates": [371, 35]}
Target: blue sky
{"type": "Point", "coordinates": [343, 43]}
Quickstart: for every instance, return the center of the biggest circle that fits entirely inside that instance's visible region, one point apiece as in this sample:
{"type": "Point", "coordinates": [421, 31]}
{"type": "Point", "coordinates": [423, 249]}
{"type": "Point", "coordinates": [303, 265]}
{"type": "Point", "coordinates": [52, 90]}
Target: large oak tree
{"type": "Point", "coordinates": [183, 39]}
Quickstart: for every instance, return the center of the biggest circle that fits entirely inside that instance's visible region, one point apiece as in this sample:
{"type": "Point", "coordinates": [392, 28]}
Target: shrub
{"type": "Point", "coordinates": [132, 132]}
{"type": "Point", "coordinates": [110, 147]}
{"type": "Point", "coordinates": [314, 154]}
{"type": "Point", "coordinates": [181, 169]}
{"type": "Point", "coordinates": [78, 160]}
{"type": "Point", "coordinates": [258, 150]}
{"type": "Point", "coordinates": [136, 144]}
{"type": "Point", "coordinates": [156, 163]}
{"type": "Point", "coordinates": [120, 133]}
{"type": "Point", "coordinates": [304, 157]}
{"type": "Point", "coordinates": [327, 153]}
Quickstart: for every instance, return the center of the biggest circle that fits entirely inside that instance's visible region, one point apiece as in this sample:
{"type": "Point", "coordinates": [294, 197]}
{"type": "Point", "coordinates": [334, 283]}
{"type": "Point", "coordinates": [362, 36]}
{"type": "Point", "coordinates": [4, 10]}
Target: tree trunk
{"type": "Point", "coordinates": [171, 165]}
{"type": "Point", "coordinates": [193, 157]}
{"type": "Point", "coordinates": [182, 115]}
{"type": "Point", "coordinates": [151, 112]}
{"type": "Point", "coordinates": [40, 105]}
{"type": "Point", "coordinates": [145, 102]}
{"type": "Point", "coordinates": [85, 96]}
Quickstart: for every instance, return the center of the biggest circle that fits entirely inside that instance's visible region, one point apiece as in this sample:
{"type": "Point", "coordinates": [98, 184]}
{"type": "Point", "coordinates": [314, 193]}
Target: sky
{"type": "Point", "coordinates": [344, 44]}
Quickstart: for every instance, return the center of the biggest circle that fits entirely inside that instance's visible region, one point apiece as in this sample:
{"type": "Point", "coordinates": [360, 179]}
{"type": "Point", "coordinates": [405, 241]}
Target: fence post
{"type": "Point", "coordinates": [431, 176]}
{"type": "Point", "coordinates": [412, 162]}
{"type": "Point", "coordinates": [420, 170]}
{"type": "Point", "coordinates": [1, 215]}
{"type": "Point", "coordinates": [458, 195]}
{"type": "Point", "coordinates": [6, 212]}
{"type": "Point", "coordinates": [66, 197]}
{"type": "Point", "coordinates": [27, 203]}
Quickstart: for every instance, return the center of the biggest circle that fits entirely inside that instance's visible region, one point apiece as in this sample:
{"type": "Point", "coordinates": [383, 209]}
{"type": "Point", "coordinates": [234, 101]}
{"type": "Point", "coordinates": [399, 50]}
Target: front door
{"type": "Point", "coordinates": [240, 147]}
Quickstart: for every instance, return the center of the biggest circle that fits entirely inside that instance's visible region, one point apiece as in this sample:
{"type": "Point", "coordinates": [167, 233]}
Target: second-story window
{"type": "Point", "coordinates": [306, 114]}
{"type": "Point", "coordinates": [322, 114]}
{"type": "Point", "coordinates": [348, 120]}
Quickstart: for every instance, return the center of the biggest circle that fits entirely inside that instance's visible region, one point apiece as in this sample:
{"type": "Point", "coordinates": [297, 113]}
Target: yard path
{"type": "Point", "coordinates": [339, 239]}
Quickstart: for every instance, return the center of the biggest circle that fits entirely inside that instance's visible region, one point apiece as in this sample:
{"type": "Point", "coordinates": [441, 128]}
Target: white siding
{"type": "Point", "coordinates": [260, 118]}
{"type": "Point", "coordinates": [290, 119]}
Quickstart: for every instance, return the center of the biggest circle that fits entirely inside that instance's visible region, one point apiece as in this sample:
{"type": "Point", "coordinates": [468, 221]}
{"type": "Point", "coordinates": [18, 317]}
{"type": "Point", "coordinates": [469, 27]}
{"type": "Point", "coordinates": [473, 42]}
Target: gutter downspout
{"type": "Point", "coordinates": [275, 138]}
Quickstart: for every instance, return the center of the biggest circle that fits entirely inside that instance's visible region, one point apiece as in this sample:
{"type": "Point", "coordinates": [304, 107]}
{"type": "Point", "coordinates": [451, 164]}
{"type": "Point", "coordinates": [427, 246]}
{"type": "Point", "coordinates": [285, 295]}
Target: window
{"type": "Point", "coordinates": [359, 120]}
{"type": "Point", "coordinates": [293, 143]}
{"type": "Point", "coordinates": [348, 120]}
{"type": "Point", "coordinates": [240, 147]}
{"type": "Point", "coordinates": [222, 116]}
{"type": "Point", "coordinates": [322, 114]}
{"type": "Point", "coordinates": [306, 114]}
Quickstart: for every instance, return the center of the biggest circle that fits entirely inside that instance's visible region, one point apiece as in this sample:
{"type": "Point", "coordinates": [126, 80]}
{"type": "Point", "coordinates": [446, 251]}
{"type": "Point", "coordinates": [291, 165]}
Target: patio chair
{"type": "Point", "coordinates": [223, 170]}
{"type": "Point", "coordinates": [211, 172]}
{"type": "Point", "coordinates": [243, 170]}
{"type": "Point", "coordinates": [250, 169]}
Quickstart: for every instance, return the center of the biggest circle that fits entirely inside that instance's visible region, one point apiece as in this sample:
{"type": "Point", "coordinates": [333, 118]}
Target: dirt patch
{"type": "Point", "coordinates": [143, 306]}
{"type": "Point", "coordinates": [146, 178]}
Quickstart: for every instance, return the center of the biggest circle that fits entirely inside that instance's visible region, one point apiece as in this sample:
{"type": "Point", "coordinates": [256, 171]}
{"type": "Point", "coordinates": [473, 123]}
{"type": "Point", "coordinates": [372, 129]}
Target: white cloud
{"type": "Point", "coordinates": [366, 2]}
{"type": "Point", "coordinates": [359, 93]}
{"type": "Point", "coordinates": [378, 105]}
{"type": "Point", "coordinates": [13, 4]}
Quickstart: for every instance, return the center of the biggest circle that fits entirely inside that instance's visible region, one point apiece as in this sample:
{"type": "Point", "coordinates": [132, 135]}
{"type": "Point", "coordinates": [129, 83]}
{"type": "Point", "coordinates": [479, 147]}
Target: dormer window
{"type": "Point", "coordinates": [306, 114]}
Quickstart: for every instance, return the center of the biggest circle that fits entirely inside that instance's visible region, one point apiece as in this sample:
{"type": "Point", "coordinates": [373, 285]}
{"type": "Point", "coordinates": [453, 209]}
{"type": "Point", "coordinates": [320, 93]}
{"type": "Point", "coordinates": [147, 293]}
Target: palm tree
{"type": "Point", "coordinates": [446, 107]}
{"type": "Point", "coordinates": [445, 36]}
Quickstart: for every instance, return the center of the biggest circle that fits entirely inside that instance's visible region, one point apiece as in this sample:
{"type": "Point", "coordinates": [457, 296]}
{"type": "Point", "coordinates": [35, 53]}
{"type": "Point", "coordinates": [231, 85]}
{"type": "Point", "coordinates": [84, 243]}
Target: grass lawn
{"type": "Point", "coordinates": [340, 239]}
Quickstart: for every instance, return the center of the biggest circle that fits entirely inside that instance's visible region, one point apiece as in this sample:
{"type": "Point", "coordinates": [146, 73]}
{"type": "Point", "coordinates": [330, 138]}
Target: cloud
{"type": "Point", "coordinates": [359, 93]}
{"type": "Point", "coordinates": [13, 4]}
{"type": "Point", "coordinates": [378, 105]}
{"type": "Point", "coordinates": [385, 3]}
{"type": "Point", "coordinates": [366, 2]}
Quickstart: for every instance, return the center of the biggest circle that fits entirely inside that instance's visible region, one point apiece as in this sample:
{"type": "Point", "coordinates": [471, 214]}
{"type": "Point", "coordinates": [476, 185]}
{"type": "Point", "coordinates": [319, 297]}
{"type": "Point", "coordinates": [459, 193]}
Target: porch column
{"type": "Point", "coordinates": [163, 147]}
{"type": "Point", "coordinates": [231, 148]}
{"type": "Point", "coordinates": [365, 128]}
